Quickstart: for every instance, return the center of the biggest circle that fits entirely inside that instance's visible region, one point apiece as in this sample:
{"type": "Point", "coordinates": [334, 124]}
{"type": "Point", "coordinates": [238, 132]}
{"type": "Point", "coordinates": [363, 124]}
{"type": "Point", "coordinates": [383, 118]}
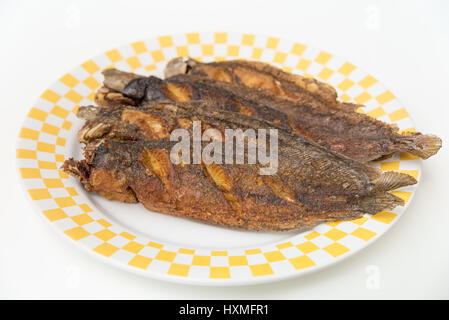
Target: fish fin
{"type": "Point", "coordinates": [334, 216]}
{"type": "Point", "coordinates": [391, 180]}
{"type": "Point", "coordinates": [424, 145]}
{"type": "Point", "coordinates": [379, 201]}
{"type": "Point", "coordinates": [394, 126]}
{"type": "Point", "coordinates": [349, 107]}
{"type": "Point", "coordinates": [384, 157]}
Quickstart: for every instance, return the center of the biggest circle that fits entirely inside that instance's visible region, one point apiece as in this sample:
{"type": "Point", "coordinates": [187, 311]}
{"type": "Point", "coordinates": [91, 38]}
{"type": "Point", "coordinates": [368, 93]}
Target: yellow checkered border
{"type": "Point", "coordinates": [42, 142]}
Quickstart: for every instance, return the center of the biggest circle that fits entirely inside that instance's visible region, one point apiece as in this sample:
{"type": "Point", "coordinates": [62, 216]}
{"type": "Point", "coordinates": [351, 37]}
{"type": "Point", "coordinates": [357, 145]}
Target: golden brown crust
{"type": "Point", "coordinates": [256, 74]}
{"type": "Point", "coordinates": [340, 129]}
{"type": "Point", "coordinates": [311, 184]}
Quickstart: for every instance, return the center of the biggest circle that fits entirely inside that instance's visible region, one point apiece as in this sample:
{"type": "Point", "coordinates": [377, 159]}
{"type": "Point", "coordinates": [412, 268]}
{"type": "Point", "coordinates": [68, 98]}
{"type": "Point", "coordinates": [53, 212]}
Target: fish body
{"type": "Point", "coordinates": [352, 134]}
{"type": "Point", "coordinates": [255, 74]}
{"type": "Point", "coordinates": [127, 158]}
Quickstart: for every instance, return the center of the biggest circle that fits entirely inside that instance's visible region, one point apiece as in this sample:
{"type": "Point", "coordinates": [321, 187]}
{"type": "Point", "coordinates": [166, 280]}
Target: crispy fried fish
{"type": "Point", "coordinates": [127, 157]}
{"type": "Point", "coordinates": [255, 74]}
{"type": "Point", "coordinates": [352, 134]}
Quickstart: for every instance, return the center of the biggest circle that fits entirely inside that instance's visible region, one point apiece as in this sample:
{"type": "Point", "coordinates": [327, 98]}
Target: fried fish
{"type": "Point", "coordinates": [127, 157]}
{"type": "Point", "coordinates": [255, 74]}
{"type": "Point", "coordinates": [352, 134]}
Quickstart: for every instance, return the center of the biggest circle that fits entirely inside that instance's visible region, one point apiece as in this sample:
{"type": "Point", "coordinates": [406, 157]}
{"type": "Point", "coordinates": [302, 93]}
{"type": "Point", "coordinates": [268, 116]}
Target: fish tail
{"type": "Point", "coordinates": [421, 145]}
{"type": "Point", "coordinates": [391, 180]}
{"type": "Point", "coordinates": [379, 201]}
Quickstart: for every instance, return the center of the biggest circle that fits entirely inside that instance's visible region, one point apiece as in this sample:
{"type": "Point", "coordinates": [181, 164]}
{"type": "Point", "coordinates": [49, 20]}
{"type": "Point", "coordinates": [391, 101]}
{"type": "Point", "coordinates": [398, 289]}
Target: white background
{"type": "Point", "coordinates": [405, 44]}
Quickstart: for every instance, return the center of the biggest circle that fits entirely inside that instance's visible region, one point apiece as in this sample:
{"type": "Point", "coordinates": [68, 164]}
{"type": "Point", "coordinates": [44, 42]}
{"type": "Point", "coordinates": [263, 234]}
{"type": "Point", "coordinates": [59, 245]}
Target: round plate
{"type": "Point", "coordinates": [176, 249]}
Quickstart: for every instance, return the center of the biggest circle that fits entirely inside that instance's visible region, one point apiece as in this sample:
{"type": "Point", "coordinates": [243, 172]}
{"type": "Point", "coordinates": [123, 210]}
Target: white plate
{"type": "Point", "coordinates": [176, 249]}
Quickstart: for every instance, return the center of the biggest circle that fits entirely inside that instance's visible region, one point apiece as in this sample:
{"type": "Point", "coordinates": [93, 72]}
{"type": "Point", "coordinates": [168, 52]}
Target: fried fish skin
{"type": "Point", "coordinates": [127, 158]}
{"type": "Point", "coordinates": [256, 74]}
{"type": "Point", "coordinates": [352, 134]}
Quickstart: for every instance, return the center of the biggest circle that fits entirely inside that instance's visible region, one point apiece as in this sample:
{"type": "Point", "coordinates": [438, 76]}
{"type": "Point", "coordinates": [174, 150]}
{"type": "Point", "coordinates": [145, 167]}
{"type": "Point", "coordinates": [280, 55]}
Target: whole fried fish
{"type": "Point", "coordinates": [255, 74]}
{"type": "Point", "coordinates": [127, 157]}
{"type": "Point", "coordinates": [352, 134]}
